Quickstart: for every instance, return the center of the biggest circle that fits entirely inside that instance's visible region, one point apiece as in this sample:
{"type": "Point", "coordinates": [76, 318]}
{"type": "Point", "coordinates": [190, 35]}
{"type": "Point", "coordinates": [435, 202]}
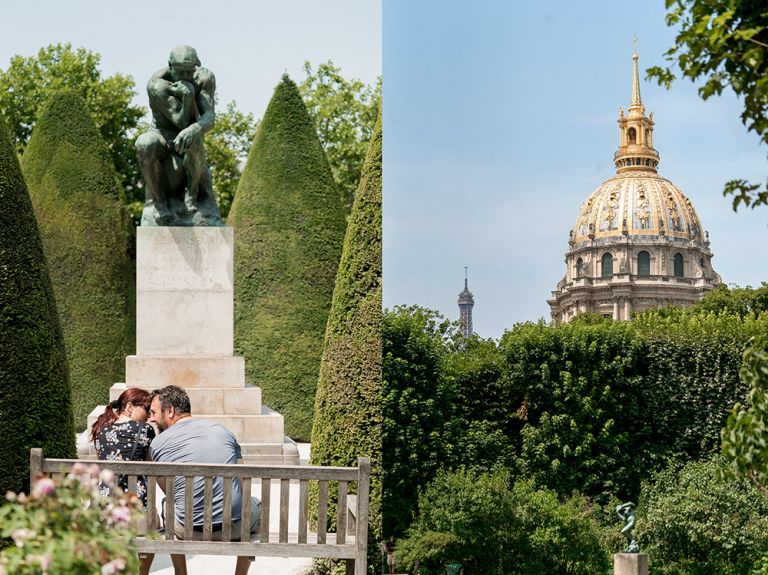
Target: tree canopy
{"type": "Point", "coordinates": [28, 82]}
{"type": "Point", "coordinates": [344, 112]}
{"type": "Point", "coordinates": [724, 43]}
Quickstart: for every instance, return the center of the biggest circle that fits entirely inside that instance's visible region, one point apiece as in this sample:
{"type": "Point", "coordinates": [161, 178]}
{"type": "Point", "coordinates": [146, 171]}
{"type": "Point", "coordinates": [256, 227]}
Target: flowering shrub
{"type": "Point", "coordinates": [65, 526]}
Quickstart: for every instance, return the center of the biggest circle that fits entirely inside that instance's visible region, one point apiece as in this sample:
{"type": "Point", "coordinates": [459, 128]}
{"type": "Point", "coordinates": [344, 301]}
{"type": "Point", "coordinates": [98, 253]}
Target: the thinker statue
{"type": "Point", "coordinates": [172, 152]}
{"type": "Point", "coordinates": [626, 512]}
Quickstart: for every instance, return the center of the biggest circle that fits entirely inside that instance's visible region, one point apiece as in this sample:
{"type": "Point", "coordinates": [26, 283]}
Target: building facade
{"type": "Point", "coordinates": [638, 242]}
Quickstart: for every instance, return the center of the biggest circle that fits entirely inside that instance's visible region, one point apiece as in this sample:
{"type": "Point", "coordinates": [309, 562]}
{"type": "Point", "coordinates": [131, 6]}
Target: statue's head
{"type": "Point", "coordinates": [182, 62]}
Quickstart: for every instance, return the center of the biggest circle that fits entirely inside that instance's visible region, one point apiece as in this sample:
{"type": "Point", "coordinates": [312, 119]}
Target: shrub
{"type": "Point", "coordinates": [693, 522]}
{"type": "Point", "coordinates": [87, 237]}
{"type": "Point", "coordinates": [67, 526]}
{"type": "Point", "coordinates": [35, 400]}
{"type": "Point", "coordinates": [479, 521]}
{"type": "Point", "coordinates": [289, 228]}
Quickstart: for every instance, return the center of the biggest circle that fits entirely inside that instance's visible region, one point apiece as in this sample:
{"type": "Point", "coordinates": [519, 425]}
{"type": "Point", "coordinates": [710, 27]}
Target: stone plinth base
{"type": "Point", "coordinates": [184, 291]}
{"type": "Point", "coordinates": [630, 564]}
{"type": "Point", "coordinates": [187, 372]}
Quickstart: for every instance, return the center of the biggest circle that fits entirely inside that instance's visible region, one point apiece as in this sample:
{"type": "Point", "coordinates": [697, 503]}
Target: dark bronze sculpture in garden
{"type": "Point", "coordinates": [172, 153]}
{"type": "Point", "coordinates": [626, 511]}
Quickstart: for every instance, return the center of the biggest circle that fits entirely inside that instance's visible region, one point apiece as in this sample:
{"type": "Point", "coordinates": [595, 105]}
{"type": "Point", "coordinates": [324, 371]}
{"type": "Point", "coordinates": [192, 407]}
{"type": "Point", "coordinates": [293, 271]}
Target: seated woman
{"type": "Point", "coordinates": [122, 433]}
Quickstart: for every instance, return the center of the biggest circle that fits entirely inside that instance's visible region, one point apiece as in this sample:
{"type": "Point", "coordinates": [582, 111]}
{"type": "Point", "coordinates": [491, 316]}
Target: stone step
{"type": "Point", "coordinates": [213, 401]}
{"type": "Point", "coordinates": [150, 372]}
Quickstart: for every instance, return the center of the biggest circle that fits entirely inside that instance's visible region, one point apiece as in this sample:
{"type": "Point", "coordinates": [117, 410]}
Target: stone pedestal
{"type": "Point", "coordinates": [184, 336]}
{"type": "Point", "coordinates": [630, 564]}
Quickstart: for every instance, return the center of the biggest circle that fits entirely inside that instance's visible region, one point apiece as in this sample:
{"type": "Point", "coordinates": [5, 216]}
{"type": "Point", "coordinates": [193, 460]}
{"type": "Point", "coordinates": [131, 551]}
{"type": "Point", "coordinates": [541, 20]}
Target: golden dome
{"type": "Point", "coordinates": [641, 205]}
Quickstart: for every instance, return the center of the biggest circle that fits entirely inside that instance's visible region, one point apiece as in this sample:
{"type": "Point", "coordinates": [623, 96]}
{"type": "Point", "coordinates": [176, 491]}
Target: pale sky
{"type": "Point", "coordinates": [500, 120]}
{"type": "Point", "coordinates": [248, 44]}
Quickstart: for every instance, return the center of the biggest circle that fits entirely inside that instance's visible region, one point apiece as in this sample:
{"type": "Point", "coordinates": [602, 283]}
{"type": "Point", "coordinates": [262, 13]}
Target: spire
{"type": "Point", "coordinates": [636, 152]}
{"type": "Point", "coordinates": [466, 303]}
{"type": "Point", "coordinates": [636, 101]}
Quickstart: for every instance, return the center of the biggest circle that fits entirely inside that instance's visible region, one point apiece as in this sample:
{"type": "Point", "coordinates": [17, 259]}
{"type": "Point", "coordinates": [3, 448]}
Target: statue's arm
{"type": "Point", "coordinates": [169, 100]}
{"type": "Point", "coordinates": [206, 98]}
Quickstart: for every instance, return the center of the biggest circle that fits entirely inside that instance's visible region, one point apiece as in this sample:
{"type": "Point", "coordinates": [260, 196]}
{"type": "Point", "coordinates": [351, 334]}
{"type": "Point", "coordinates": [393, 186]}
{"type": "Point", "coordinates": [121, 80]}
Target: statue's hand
{"type": "Point", "coordinates": [185, 138]}
{"type": "Point", "coordinates": [181, 89]}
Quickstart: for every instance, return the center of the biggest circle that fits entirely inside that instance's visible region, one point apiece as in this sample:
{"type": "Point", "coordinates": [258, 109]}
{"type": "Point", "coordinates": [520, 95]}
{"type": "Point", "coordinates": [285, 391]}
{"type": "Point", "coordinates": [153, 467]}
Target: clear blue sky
{"type": "Point", "coordinates": [500, 120]}
{"type": "Point", "coordinates": [248, 44]}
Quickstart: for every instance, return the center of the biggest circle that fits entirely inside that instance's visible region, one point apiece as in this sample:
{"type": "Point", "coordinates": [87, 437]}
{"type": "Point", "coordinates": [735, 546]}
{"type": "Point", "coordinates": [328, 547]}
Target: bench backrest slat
{"type": "Point", "coordinates": [226, 531]}
{"type": "Point", "coordinates": [285, 485]}
{"type": "Point", "coordinates": [303, 509]}
{"type": "Point", "coordinates": [207, 508]}
{"type": "Point", "coordinates": [170, 508]}
{"type": "Point", "coordinates": [245, 517]}
{"type": "Point", "coordinates": [266, 496]}
{"type": "Point", "coordinates": [151, 495]}
{"type": "Point", "coordinates": [341, 513]}
{"type": "Point", "coordinates": [322, 511]}
{"type": "Point", "coordinates": [189, 506]}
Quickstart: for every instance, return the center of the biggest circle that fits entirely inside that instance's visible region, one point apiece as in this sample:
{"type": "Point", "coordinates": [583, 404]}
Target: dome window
{"type": "Point", "coordinates": [607, 265]}
{"type": "Point", "coordinates": [678, 266]}
{"type": "Point", "coordinates": [579, 267]}
{"type": "Point", "coordinates": [632, 133]}
{"type": "Point", "coordinates": [643, 264]}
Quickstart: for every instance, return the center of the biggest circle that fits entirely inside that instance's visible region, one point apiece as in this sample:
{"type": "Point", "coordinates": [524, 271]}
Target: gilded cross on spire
{"type": "Point", "coordinates": [636, 102]}
{"type": "Point", "coordinates": [634, 41]}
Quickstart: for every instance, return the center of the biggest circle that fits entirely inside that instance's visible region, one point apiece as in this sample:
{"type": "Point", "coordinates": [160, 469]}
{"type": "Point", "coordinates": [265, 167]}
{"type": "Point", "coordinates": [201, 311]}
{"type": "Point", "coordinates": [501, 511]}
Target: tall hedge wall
{"type": "Point", "coordinates": [35, 401]}
{"type": "Point", "coordinates": [348, 418]}
{"type": "Point", "coordinates": [289, 229]}
{"type": "Point", "coordinates": [87, 238]}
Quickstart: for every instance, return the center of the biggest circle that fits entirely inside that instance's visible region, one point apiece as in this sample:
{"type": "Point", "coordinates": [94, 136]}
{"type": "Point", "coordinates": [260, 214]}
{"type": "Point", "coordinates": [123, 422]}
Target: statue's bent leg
{"type": "Point", "coordinates": [152, 149]}
{"type": "Point", "coordinates": [194, 167]}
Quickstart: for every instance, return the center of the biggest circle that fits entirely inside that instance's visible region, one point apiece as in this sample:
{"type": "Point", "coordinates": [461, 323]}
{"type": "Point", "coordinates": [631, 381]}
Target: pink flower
{"type": "Point", "coordinates": [112, 567]}
{"type": "Point", "coordinates": [107, 477]}
{"type": "Point", "coordinates": [19, 535]}
{"type": "Point", "coordinates": [94, 471]}
{"type": "Point", "coordinates": [10, 496]}
{"type": "Point", "coordinates": [42, 487]}
{"type": "Point", "coordinates": [120, 514]}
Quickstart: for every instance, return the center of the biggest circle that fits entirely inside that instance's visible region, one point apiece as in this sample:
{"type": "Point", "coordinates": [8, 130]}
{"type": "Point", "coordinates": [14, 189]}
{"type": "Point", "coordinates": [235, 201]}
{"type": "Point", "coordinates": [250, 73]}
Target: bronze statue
{"type": "Point", "coordinates": [626, 511]}
{"type": "Point", "coordinates": [172, 153]}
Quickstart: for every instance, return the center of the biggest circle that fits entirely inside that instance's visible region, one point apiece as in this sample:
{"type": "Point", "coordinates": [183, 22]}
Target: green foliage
{"type": "Point", "coordinates": [692, 522]}
{"type": "Point", "coordinates": [735, 300]}
{"type": "Point", "coordinates": [344, 113]}
{"type": "Point", "coordinates": [348, 419]}
{"type": "Point", "coordinates": [416, 405]}
{"type": "Point", "coordinates": [724, 43]}
{"type": "Point", "coordinates": [289, 225]}
{"type": "Point", "coordinates": [87, 238]}
{"type": "Point", "coordinates": [744, 443]}
{"type": "Point", "coordinates": [581, 384]}
{"type": "Point", "coordinates": [479, 521]}
{"type": "Point", "coordinates": [67, 526]}
{"type": "Point", "coordinates": [29, 82]}
{"type": "Point", "coordinates": [35, 400]}
{"type": "Point", "coordinates": [226, 148]}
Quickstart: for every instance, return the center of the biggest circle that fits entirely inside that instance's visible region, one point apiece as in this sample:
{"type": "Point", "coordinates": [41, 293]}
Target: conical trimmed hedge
{"type": "Point", "coordinates": [35, 402]}
{"type": "Point", "coordinates": [87, 239]}
{"type": "Point", "coordinates": [348, 417]}
{"type": "Point", "coordinates": [289, 229]}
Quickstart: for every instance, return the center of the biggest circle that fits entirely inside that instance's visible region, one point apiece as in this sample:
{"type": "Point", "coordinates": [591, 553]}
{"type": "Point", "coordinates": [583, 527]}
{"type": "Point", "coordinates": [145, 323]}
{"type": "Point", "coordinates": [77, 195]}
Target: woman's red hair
{"type": "Point", "coordinates": [134, 395]}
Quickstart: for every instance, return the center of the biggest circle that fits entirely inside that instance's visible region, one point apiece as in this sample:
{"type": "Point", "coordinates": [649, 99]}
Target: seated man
{"type": "Point", "coordinates": [185, 439]}
{"type": "Point", "coordinates": [172, 153]}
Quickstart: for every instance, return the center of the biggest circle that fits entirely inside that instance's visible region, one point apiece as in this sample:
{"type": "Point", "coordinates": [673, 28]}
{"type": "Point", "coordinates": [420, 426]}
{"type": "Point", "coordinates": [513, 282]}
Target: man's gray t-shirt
{"type": "Point", "coordinates": [193, 440]}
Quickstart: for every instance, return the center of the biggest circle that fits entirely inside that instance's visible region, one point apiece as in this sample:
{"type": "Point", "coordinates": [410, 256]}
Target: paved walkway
{"type": "Point", "coordinates": [214, 564]}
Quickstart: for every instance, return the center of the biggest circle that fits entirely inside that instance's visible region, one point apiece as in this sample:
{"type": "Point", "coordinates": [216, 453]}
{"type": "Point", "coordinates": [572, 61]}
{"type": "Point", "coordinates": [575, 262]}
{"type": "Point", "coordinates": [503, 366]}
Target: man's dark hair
{"type": "Point", "coordinates": [172, 395]}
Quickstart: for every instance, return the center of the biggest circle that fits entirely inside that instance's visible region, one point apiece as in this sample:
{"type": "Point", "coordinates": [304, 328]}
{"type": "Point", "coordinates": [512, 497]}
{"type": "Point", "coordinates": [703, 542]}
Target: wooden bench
{"type": "Point", "coordinates": [352, 547]}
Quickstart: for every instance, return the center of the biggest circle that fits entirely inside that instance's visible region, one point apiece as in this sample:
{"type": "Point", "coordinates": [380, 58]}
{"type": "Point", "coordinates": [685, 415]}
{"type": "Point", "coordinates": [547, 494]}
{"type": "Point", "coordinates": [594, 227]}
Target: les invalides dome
{"type": "Point", "coordinates": [638, 242]}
